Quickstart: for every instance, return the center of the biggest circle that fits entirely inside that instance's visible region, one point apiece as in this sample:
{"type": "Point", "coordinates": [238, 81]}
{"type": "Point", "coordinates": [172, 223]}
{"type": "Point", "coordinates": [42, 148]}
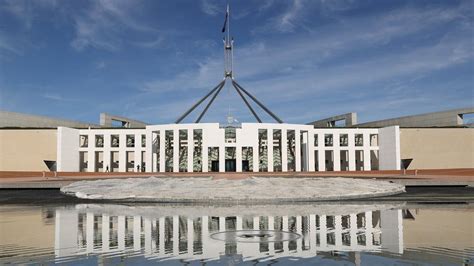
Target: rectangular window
{"type": "Point", "coordinates": [169, 150]}
{"type": "Point", "coordinates": [277, 150]}
{"type": "Point", "coordinates": [344, 160]}
{"type": "Point", "coordinates": [143, 140]}
{"type": "Point", "coordinates": [359, 156]}
{"type": "Point", "coordinates": [263, 150]}
{"type": "Point", "coordinates": [130, 159]}
{"type": "Point", "coordinates": [130, 141]}
{"type": "Point", "coordinates": [247, 159]}
{"type": "Point", "coordinates": [329, 155]}
{"type": "Point", "coordinates": [83, 161]}
{"type": "Point", "coordinates": [374, 140]}
{"type": "Point", "coordinates": [315, 140]}
{"type": "Point", "coordinates": [183, 150]}
{"type": "Point", "coordinates": [114, 141]}
{"type": "Point", "coordinates": [83, 141]}
{"type": "Point", "coordinates": [328, 140]}
{"type": "Point", "coordinates": [99, 141]}
{"type": "Point", "coordinates": [213, 159]}
{"type": "Point", "coordinates": [99, 161]}
{"type": "Point", "coordinates": [291, 149]}
{"type": "Point", "coordinates": [197, 151]}
{"type": "Point", "coordinates": [114, 162]}
{"type": "Point", "coordinates": [343, 140]}
{"type": "Point", "coordinates": [359, 140]}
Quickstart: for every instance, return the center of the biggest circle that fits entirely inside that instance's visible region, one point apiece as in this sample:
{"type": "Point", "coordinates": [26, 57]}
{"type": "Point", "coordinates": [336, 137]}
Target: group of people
{"type": "Point", "coordinates": [138, 168]}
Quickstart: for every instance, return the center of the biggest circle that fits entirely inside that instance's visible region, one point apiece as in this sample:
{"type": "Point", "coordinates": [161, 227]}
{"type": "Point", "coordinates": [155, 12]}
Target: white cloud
{"type": "Point", "coordinates": [7, 46]}
{"type": "Point", "coordinates": [302, 68]}
{"type": "Point", "coordinates": [100, 65]}
{"type": "Point", "coordinates": [25, 11]}
{"type": "Point", "coordinates": [210, 7]}
{"type": "Point", "coordinates": [105, 23]}
{"type": "Point", "coordinates": [158, 42]}
{"type": "Point", "coordinates": [53, 96]}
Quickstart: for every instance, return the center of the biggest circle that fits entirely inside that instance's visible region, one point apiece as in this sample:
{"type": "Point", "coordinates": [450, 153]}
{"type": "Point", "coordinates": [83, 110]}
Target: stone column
{"type": "Point", "coordinates": [162, 150]}
{"type": "Point", "coordinates": [351, 152]}
{"type": "Point", "coordinates": [304, 150]}
{"type": "Point", "coordinates": [337, 152]}
{"type": "Point", "coordinates": [298, 150]}
{"type": "Point", "coordinates": [367, 166]}
{"type": "Point", "coordinates": [256, 162]}
{"type": "Point", "coordinates": [122, 153]}
{"type": "Point", "coordinates": [150, 163]}
{"type": "Point", "coordinates": [205, 159]}
{"type": "Point", "coordinates": [270, 149]}
{"type": "Point", "coordinates": [221, 158]}
{"type": "Point", "coordinates": [310, 149]}
{"type": "Point", "coordinates": [238, 158]}
{"type": "Point", "coordinates": [90, 158]}
{"type": "Point", "coordinates": [137, 152]}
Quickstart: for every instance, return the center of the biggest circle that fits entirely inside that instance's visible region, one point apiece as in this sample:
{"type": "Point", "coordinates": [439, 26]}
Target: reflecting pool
{"type": "Point", "coordinates": [362, 233]}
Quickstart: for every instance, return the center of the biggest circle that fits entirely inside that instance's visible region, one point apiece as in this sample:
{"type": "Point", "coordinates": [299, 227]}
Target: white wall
{"type": "Point", "coordinates": [68, 149]}
{"type": "Point", "coordinates": [389, 143]}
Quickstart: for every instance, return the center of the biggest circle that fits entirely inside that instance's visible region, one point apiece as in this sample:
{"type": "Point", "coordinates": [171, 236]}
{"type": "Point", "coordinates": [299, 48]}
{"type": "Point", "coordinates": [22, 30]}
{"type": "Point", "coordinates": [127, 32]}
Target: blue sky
{"type": "Point", "coordinates": [306, 60]}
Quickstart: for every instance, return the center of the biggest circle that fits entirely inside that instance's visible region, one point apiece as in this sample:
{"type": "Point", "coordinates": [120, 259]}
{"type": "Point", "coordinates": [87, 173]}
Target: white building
{"type": "Point", "coordinates": [207, 147]}
{"type": "Point", "coordinates": [253, 147]}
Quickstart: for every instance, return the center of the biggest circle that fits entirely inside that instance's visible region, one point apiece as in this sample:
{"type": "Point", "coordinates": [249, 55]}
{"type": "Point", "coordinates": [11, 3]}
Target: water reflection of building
{"type": "Point", "coordinates": [180, 237]}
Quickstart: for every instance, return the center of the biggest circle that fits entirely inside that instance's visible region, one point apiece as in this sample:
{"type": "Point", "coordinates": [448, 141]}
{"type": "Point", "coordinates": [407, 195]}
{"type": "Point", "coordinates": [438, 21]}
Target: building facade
{"type": "Point", "coordinates": [208, 147]}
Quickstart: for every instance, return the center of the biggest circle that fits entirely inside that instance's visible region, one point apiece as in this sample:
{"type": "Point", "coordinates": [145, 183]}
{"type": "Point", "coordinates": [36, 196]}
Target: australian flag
{"type": "Point", "coordinates": [226, 18]}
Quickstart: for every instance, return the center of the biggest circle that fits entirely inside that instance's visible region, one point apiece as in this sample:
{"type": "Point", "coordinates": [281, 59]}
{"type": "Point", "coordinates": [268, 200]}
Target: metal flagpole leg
{"type": "Point", "coordinates": [259, 103]}
{"type": "Point", "coordinates": [198, 103]}
{"type": "Point", "coordinates": [247, 103]}
{"type": "Point", "coordinates": [210, 102]}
